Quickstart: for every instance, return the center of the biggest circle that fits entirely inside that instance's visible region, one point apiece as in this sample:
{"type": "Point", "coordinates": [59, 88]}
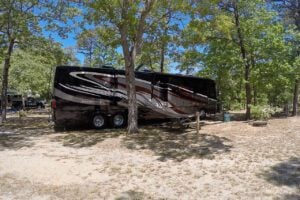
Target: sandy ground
{"type": "Point", "coordinates": [225, 161]}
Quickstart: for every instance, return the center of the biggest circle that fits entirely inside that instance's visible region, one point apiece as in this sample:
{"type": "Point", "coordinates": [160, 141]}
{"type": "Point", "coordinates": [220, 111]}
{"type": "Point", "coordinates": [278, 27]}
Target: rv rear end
{"type": "Point", "coordinates": [74, 103]}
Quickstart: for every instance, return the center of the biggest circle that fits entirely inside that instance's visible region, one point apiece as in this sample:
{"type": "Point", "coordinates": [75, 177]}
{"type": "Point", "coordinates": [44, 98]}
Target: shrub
{"type": "Point", "coordinates": [22, 114]}
{"type": "Point", "coordinates": [237, 106]}
{"type": "Point", "coordinates": [262, 112]}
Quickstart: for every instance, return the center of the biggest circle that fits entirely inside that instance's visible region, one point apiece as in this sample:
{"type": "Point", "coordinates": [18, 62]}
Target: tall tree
{"type": "Point", "coordinates": [97, 48]}
{"type": "Point", "coordinates": [233, 37]}
{"type": "Point", "coordinates": [245, 55]}
{"type": "Point", "coordinates": [87, 42]}
{"type": "Point", "coordinates": [290, 11]}
{"type": "Point", "coordinates": [129, 20]}
{"type": "Point", "coordinates": [161, 39]}
{"type": "Point", "coordinates": [69, 57]}
{"type": "Point", "coordinates": [159, 35]}
{"type": "Point", "coordinates": [32, 66]}
{"type": "Point", "coordinates": [16, 23]}
{"type": "Point", "coordinates": [19, 21]}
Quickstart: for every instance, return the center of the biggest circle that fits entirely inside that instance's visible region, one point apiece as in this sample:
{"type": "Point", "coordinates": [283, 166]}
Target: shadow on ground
{"type": "Point", "coordinates": [87, 138]}
{"type": "Point", "coordinates": [290, 197]}
{"type": "Point", "coordinates": [17, 132]}
{"type": "Point", "coordinates": [168, 144]}
{"type": "Point", "coordinates": [285, 173]}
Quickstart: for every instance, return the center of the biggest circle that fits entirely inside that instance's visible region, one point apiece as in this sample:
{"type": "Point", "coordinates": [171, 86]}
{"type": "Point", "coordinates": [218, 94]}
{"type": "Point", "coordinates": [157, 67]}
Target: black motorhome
{"type": "Point", "coordinates": [99, 96]}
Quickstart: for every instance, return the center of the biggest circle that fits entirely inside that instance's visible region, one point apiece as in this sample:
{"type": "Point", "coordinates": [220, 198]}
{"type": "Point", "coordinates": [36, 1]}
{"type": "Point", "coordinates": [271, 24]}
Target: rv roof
{"type": "Point", "coordinates": [113, 69]}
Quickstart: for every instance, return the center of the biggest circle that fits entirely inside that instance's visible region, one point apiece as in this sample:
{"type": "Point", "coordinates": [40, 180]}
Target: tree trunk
{"type": "Point", "coordinates": [131, 93]}
{"type": "Point", "coordinates": [23, 103]}
{"type": "Point", "coordinates": [162, 57]}
{"type": "Point", "coordinates": [151, 64]}
{"type": "Point", "coordinates": [240, 90]}
{"type": "Point", "coordinates": [164, 42]}
{"type": "Point", "coordinates": [248, 92]}
{"type": "Point", "coordinates": [90, 58]}
{"type": "Point", "coordinates": [255, 95]}
{"type": "Point", "coordinates": [130, 52]}
{"type": "Point", "coordinates": [5, 78]}
{"type": "Point", "coordinates": [246, 61]}
{"type": "Point", "coordinates": [297, 81]}
{"type": "Point", "coordinates": [129, 56]}
{"type": "Point", "coordinates": [295, 99]}
{"type": "Point", "coordinates": [254, 85]}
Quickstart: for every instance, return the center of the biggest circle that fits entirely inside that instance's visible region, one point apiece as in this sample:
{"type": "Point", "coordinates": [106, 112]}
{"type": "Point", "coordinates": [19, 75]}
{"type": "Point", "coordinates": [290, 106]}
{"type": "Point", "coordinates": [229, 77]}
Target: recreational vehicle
{"type": "Point", "coordinates": [98, 96]}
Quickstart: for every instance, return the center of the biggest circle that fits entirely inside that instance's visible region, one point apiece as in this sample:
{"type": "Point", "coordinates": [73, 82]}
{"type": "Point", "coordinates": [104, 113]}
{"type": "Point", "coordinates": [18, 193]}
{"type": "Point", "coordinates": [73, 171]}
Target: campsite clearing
{"type": "Point", "coordinates": [224, 161]}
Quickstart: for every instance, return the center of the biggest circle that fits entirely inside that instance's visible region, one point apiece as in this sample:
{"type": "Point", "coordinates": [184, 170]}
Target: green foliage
{"type": "Point", "coordinates": [213, 34]}
{"type": "Point", "coordinates": [22, 113]}
{"type": "Point", "coordinates": [237, 106]}
{"type": "Point", "coordinates": [30, 72]}
{"type": "Point", "coordinates": [96, 48]}
{"type": "Point", "coordinates": [67, 56]}
{"type": "Point", "coordinates": [262, 112]}
{"type": "Point", "coordinates": [17, 20]}
{"type": "Point", "coordinates": [151, 28]}
{"type": "Point", "coordinates": [32, 68]}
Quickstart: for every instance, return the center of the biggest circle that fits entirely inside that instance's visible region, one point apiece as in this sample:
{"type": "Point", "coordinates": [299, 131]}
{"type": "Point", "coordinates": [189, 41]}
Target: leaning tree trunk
{"type": "Point", "coordinates": [295, 100]}
{"type": "Point", "coordinates": [5, 78]}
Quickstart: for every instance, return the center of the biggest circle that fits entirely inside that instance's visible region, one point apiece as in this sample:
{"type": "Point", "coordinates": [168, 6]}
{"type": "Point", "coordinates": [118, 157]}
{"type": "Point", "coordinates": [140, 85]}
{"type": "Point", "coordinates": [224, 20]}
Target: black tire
{"type": "Point", "coordinates": [99, 121]}
{"type": "Point", "coordinates": [59, 127]}
{"type": "Point", "coordinates": [118, 120]}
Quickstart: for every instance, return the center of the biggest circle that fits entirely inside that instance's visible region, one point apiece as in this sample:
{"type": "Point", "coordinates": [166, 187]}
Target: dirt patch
{"type": "Point", "coordinates": [225, 161]}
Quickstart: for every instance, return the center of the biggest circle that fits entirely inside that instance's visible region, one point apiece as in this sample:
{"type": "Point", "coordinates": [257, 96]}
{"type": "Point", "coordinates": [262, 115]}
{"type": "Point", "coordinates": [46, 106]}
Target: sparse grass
{"type": "Point", "coordinates": [225, 161]}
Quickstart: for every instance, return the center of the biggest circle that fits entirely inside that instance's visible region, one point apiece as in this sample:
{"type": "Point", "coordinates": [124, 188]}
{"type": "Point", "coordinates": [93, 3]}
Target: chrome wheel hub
{"type": "Point", "coordinates": [98, 121]}
{"type": "Point", "coordinates": [118, 120]}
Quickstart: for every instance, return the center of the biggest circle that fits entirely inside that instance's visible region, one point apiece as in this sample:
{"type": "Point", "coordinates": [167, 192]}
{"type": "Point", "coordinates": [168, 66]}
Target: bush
{"type": "Point", "coordinates": [237, 106]}
{"type": "Point", "coordinates": [22, 114]}
{"type": "Point", "coordinates": [262, 112]}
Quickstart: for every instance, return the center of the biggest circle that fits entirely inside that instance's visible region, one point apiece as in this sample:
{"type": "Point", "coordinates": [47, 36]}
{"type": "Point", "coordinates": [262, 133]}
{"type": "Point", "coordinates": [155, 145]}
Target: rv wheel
{"type": "Point", "coordinates": [118, 120]}
{"type": "Point", "coordinates": [99, 121]}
